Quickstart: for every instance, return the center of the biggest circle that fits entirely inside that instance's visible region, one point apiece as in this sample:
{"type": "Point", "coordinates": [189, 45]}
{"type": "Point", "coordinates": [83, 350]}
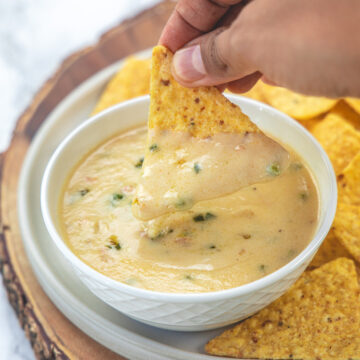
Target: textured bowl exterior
{"type": "Point", "coordinates": [186, 312]}
{"type": "Point", "coordinates": [185, 316]}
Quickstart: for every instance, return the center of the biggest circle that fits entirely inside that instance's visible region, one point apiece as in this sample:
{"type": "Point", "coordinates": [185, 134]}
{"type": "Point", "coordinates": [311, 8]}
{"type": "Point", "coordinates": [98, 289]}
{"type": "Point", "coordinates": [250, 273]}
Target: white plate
{"type": "Point", "coordinates": [98, 320]}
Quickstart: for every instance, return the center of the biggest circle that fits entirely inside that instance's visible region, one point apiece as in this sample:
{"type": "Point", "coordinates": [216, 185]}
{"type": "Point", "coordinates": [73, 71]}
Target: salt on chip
{"type": "Point", "coordinates": [347, 228]}
{"type": "Point", "coordinates": [340, 140]}
{"type": "Point", "coordinates": [201, 111]}
{"type": "Point", "coordinates": [330, 249]}
{"type": "Point", "coordinates": [298, 106]}
{"type": "Point", "coordinates": [132, 80]}
{"type": "Point", "coordinates": [318, 318]}
{"type": "Point", "coordinates": [349, 183]}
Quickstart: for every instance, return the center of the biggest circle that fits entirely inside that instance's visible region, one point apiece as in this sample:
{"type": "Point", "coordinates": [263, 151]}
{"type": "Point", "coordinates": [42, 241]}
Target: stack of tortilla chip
{"type": "Point", "coordinates": [319, 317]}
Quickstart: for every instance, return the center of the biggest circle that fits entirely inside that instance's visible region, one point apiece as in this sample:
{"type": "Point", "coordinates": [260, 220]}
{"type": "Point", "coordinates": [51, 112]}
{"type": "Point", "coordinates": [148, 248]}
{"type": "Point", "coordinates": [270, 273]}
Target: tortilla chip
{"type": "Point", "coordinates": [310, 123]}
{"type": "Point", "coordinates": [354, 103]}
{"type": "Point", "coordinates": [330, 249]}
{"type": "Point", "coordinates": [347, 113]}
{"type": "Point", "coordinates": [347, 228]}
{"type": "Point", "coordinates": [256, 92]}
{"type": "Point", "coordinates": [349, 183]}
{"type": "Point", "coordinates": [318, 318]}
{"type": "Point", "coordinates": [298, 106]}
{"type": "Point", "coordinates": [339, 139]}
{"type": "Point", "coordinates": [202, 111]}
{"type": "Point", "coordinates": [132, 80]}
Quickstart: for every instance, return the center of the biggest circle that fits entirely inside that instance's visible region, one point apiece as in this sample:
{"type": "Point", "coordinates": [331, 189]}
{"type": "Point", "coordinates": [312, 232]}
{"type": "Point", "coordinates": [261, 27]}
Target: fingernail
{"type": "Point", "coordinates": [188, 64]}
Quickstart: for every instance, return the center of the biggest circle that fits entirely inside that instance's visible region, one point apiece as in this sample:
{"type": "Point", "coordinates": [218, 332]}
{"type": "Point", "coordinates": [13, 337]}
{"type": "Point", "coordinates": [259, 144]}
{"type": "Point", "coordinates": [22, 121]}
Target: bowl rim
{"type": "Point", "coordinates": [210, 296]}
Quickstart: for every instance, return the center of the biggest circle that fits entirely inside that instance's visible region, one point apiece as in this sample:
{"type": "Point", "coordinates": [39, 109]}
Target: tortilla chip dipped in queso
{"type": "Point", "coordinates": [219, 243]}
{"type": "Point", "coordinates": [200, 146]}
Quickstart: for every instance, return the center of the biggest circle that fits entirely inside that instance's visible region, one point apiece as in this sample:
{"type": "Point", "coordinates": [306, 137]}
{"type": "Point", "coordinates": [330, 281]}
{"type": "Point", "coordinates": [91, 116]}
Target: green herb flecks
{"type": "Point", "coordinates": [118, 196]}
{"type": "Point", "coordinates": [139, 164]}
{"type": "Point", "coordinates": [114, 243]}
{"type": "Point", "coordinates": [188, 277]}
{"type": "Point", "coordinates": [154, 148]}
{"type": "Point", "coordinates": [291, 254]}
{"type": "Point", "coordinates": [197, 168]}
{"type": "Point", "coordinates": [296, 166]}
{"type": "Point", "coordinates": [83, 192]}
{"type": "Point", "coordinates": [116, 199]}
{"type": "Point", "coordinates": [304, 195]}
{"type": "Point", "coordinates": [209, 216]}
{"type": "Point", "coordinates": [246, 236]}
{"type": "Point", "coordinates": [185, 233]}
{"type": "Point", "coordinates": [198, 218]}
{"type": "Point", "coordinates": [161, 234]}
{"type": "Point", "coordinates": [273, 169]}
{"type": "Point", "coordinates": [262, 268]}
{"type": "Point", "coordinates": [204, 217]}
{"type": "Point", "coordinates": [182, 203]}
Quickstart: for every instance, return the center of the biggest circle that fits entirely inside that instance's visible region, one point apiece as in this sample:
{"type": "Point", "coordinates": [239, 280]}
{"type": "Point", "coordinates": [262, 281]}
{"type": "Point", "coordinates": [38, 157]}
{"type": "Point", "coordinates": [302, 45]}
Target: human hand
{"type": "Point", "coordinates": [309, 46]}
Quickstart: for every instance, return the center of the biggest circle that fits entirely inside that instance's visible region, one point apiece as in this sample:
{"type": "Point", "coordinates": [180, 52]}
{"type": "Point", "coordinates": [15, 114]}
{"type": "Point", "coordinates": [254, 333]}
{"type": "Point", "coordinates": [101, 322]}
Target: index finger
{"type": "Point", "coordinates": [191, 18]}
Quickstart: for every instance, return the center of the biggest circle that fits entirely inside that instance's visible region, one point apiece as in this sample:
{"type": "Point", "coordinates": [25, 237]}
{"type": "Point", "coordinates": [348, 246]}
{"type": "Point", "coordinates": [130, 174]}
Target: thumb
{"type": "Point", "coordinates": [212, 59]}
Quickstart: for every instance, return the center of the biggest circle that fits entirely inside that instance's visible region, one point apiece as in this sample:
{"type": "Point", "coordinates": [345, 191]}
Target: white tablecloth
{"type": "Point", "coordinates": [34, 37]}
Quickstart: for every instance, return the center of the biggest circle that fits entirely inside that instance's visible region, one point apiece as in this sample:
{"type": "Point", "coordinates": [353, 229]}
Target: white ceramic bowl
{"type": "Point", "coordinates": [187, 312]}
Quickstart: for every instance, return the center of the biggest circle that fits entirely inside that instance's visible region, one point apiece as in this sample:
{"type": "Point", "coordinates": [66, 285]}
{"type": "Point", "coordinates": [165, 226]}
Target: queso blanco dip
{"type": "Point", "coordinates": [217, 244]}
{"type": "Point", "coordinates": [194, 169]}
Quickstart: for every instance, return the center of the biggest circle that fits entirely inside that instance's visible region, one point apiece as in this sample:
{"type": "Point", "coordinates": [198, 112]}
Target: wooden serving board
{"type": "Point", "coordinates": [52, 335]}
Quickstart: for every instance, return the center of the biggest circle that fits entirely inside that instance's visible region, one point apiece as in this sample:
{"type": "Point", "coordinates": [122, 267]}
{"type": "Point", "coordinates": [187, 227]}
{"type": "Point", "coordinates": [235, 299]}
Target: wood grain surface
{"type": "Point", "coordinates": [52, 335]}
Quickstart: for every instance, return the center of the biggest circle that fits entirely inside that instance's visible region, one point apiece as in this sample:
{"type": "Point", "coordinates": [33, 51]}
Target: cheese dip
{"type": "Point", "coordinates": [218, 244]}
{"type": "Point", "coordinates": [193, 169]}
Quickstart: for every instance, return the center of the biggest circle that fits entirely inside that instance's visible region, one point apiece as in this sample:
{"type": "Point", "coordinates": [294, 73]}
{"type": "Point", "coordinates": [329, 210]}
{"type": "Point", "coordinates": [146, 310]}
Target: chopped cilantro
{"type": "Point", "coordinates": [204, 217]}
{"type": "Point", "coordinates": [197, 168]}
{"type": "Point", "coordinates": [139, 164]}
{"type": "Point", "coordinates": [182, 203]}
{"type": "Point", "coordinates": [154, 148]}
{"type": "Point", "coordinates": [198, 218]}
{"type": "Point", "coordinates": [304, 195]}
{"type": "Point", "coordinates": [209, 216]}
{"type": "Point", "coordinates": [273, 169]}
{"type": "Point", "coordinates": [83, 192]}
{"type": "Point", "coordinates": [117, 196]}
{"type": "Point", "coordinates": [262, 267]}
{"type": "Point", "coordinates": [114, 243]}
{"type": "Point", "coordinates": [158, 236]}
{"type": "Point", "coordinates": [291, 253]}
{"type": "Point", "coordinates": [161, 234]}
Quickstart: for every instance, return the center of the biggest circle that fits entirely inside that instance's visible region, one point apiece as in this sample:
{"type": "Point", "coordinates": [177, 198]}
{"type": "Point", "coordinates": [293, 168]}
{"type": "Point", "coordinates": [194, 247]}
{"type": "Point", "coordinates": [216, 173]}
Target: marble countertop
{"type": "Point", "coordinates": [34, 37]}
